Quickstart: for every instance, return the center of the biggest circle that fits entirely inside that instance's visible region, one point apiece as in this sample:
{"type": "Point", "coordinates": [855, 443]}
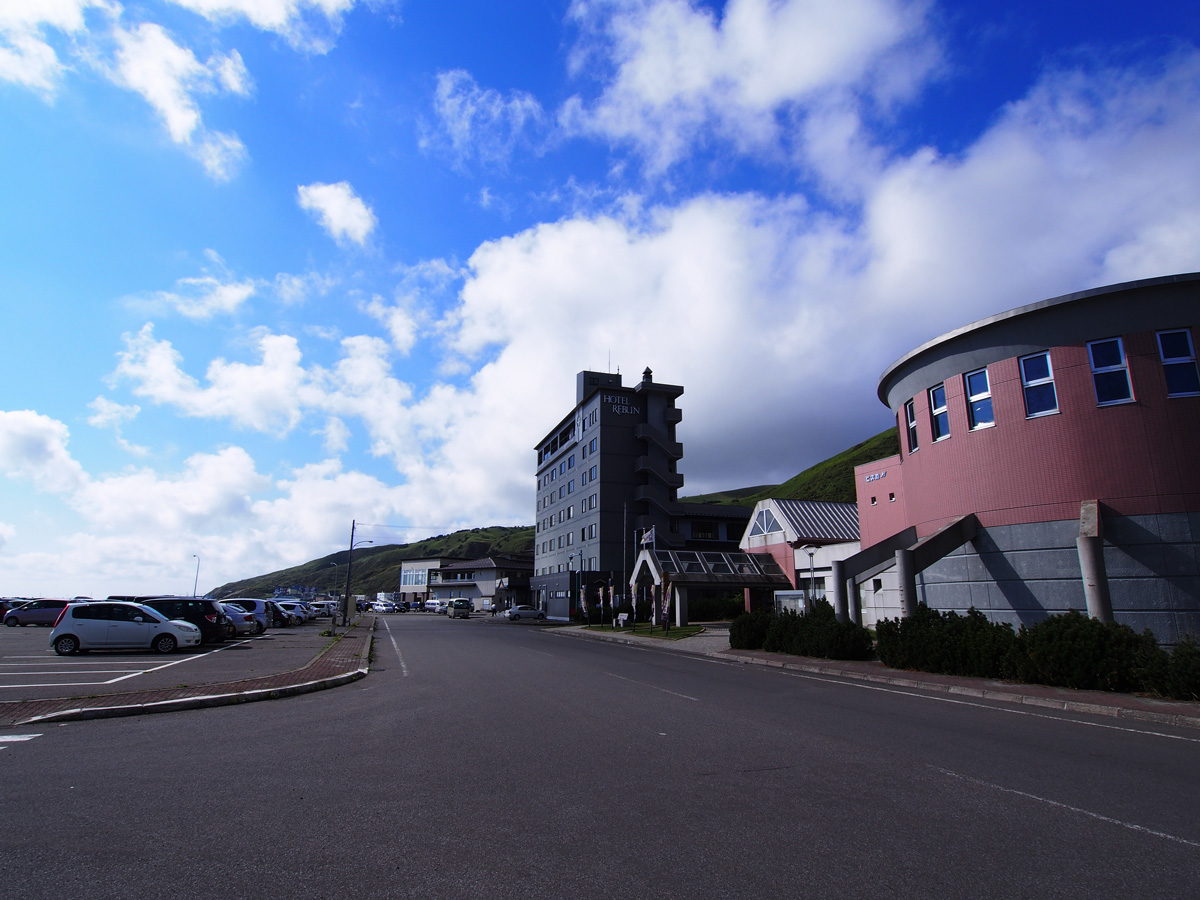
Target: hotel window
{"type": "Point", "coordinates": [1037, 381]}
{"type": "Point", "coordinates": [592, 473]}
{"type": "Point", "coordinates": [1179, 363]}
{"type": "Point", "coordinates": [571, 461]}
{"type": "Point", "coordinates": [910, 424]}
{"type": "Point", "coordinates": [570, 538]}
{"type": "Point", "coordinates": [939, 416]}
{"type": "Point", "coordinates": [979, 399]}
{"type": "Point", "coordinates": [592, 530]}
{"type": "Point", "coordinates": [592, 446]}
{"type": "Point", "coordinates": [1110, 373]}
{"type": "Point", "coordinates": [571, 486]}
{"type": "Point", "coordinates": [570, 512]}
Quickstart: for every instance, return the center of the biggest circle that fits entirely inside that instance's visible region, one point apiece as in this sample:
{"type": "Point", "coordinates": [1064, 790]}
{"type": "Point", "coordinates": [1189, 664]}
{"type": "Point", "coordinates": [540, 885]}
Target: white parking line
{"type": "Point", "coordinates": [129, 673]}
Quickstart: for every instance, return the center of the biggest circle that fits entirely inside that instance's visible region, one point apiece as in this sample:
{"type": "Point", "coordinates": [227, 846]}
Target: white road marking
{"type": "Point", "coordinates": [1003, 709]}
{"type": "Point", "coordinates": [654, 686]}
{"type": "Point", "coordinates": [1130, 825]}
{"type": "Point", "coordinates": [392, 638]}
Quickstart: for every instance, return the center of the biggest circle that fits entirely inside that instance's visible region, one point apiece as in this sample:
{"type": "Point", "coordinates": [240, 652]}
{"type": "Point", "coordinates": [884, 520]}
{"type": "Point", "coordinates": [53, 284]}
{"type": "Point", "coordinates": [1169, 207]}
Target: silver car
{"type": "Point", "coordinates": [36, 612]}
{"type": "Point", "coordinates": [517, 613]}
{"type": "Point", "coordinates": [119, 625]}
{"type": "Point", "coordinates": [239, 621]}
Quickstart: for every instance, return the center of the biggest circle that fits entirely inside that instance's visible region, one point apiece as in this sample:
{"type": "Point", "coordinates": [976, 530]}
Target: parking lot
{"type": "Point", "coordinates": [31, 670]}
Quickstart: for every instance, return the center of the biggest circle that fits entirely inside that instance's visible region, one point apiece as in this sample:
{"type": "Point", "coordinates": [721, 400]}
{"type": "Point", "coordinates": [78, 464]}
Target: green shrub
{"type": "Point", "coordinates": [948, 643]}
{"type": "Point", "coordinates": [749, 630]}
{"type": "Point", "coordinates": [817, 634]}
{"type": "Point", "coordinates": [1075, 651]}
{"type": "Point", "coordinates": [1182, 680]}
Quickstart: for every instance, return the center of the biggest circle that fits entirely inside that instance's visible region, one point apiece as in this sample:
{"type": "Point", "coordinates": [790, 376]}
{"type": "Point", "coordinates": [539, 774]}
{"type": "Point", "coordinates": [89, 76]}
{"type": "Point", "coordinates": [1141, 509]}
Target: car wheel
{"type": "Point", "coordinates": [66, 645]}
{"type": "Point", "coordinates": [516, 618]}
{"type": "Point", "coordinates": [164, 643]}
{"type": "Point", "coordinates": [259, 627]}
{"type": "Point", "coordinates": [230, 631]}
{"type": "Point", "coordinates": [541, 616]}
{"type": "Point", "coordinates": [11, 622]}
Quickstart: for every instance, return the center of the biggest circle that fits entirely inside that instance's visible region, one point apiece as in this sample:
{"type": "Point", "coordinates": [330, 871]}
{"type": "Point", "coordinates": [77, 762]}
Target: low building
{"type": "Point", "coordinates": [415, 578]}
{"type": "Point", "coordinates": [1048, 461]}
{"type": "Point", "coordinates": [499, 581]}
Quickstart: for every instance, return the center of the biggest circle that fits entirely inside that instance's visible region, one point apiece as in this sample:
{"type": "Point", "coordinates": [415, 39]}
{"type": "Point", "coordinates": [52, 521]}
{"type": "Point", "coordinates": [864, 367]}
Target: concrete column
{"type": "Point", "coordinates": [838, 577]}
{"type": "Point", "coordinates": [906, 574]}
{"type": "Point", "coordinates": [855, 601]}
{"type": "Point", "coordinates": [1090, 545]}
{"type": "Point", "coordinates": [681, 607]}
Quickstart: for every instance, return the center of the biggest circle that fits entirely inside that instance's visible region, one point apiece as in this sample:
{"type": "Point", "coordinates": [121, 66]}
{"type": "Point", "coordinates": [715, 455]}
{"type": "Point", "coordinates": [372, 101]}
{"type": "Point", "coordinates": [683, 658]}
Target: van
{"type": "Point", "coordinates": [205, 614]}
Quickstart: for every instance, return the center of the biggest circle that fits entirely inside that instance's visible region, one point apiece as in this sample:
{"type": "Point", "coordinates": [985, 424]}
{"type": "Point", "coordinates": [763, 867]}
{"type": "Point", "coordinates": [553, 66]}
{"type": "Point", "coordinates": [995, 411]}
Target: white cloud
{"type": "Point", "coordinates": [269, 396]}
{"type": "Point", "coordinates": [481, 124]}
{"type": "Point", "coordinates": [311, 25]}
{"type": "Point", "coordinates": [26, 55]}
{"type": "Point", "coordinates": [168, 76]}
{"type": "Point", "coordinates": [339, 210]}
{"type": "Point", "coordinates": [7, 532]}
{"type": "Point", "coordinates": [205, 296]}
{"type": "Point", "coordinates": [34, 446]}
{"type": "Point", "coordinates": [680, 74]}
{"type": "Point", "coordinates": [298, 288]}
{"type": "Point", "coordinates": [107, 414]}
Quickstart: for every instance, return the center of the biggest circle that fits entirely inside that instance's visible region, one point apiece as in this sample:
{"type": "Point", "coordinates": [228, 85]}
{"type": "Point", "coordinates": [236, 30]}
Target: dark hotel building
{"type": "Point", "coordinates": [607, 474]}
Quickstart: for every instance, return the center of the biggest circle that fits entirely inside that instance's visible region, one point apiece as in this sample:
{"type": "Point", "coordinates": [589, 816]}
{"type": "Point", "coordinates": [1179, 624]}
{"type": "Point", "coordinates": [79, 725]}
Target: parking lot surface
{"type": "Point", "coordinates": [30, 670]}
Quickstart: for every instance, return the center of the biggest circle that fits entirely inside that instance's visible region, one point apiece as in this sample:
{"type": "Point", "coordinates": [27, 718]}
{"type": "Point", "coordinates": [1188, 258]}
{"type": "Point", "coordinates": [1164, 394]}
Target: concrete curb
{"type": "Point", "coordinates": [1016, 697]}
{"type": "Point", "coordinates": [208, 701]}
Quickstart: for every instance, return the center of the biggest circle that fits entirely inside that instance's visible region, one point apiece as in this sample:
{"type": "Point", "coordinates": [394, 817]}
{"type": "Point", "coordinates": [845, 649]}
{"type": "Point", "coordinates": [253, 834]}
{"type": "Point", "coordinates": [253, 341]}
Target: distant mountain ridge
{"type": "Point", "coordinates": [378, 568]}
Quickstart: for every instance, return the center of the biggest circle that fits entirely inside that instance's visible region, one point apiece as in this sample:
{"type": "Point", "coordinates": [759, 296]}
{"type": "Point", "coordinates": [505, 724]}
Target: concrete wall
{"type": "Point", "coordinates": [1022, 573]}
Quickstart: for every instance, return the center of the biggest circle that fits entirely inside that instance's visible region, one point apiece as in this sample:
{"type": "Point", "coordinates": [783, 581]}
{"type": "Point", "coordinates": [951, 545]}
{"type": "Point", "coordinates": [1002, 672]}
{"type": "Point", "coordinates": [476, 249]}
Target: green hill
{"type": "Point", "coordinates": [831, 480]}
{"type": "Point", "coordinates": [378, 568]}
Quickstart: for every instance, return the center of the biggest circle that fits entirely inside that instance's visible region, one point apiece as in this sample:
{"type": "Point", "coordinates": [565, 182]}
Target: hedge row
{"type": "Point", "coordinates": [1070, 650]}
{"type": "Point", "coordinates": [818, 634]}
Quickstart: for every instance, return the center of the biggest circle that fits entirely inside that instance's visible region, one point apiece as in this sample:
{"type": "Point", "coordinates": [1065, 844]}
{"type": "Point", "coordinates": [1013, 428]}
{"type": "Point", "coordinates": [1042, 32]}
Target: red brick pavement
{"type": "Point", "coordinates": [343, 661]}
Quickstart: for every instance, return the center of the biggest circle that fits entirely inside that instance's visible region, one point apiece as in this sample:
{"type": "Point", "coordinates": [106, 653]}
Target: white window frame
{"type": "Point", "coordinates": [1179, 361]}
{"type": "Point", "coordinates": [1121, 368]}
{"type": "Point", "coordinates": [910, 425]}
{"type": "Point", "coordinates": [972, 399]}
{"type": "Point", "coordinates": [937, 413]}
{"type": "Point", "coordinates": [1048, 378]}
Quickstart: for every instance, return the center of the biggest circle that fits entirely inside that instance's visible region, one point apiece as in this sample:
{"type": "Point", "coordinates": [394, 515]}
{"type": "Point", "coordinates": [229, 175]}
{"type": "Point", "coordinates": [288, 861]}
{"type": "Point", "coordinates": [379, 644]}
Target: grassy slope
{"type": "Point", "coordinates": [831, 480]}
{"type": "Point", "coordinates": [378, 568]}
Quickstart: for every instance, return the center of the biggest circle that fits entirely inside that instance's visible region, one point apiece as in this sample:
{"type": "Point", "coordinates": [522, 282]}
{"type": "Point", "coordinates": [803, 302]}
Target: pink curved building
{"type": "Point", "coordinates": [1049, 460]}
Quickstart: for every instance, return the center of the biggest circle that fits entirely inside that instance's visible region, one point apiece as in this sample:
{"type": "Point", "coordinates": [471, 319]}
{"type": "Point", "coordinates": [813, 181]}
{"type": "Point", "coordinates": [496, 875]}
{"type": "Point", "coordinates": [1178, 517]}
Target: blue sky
{"type": "Point", "coordinates": [268, 266]}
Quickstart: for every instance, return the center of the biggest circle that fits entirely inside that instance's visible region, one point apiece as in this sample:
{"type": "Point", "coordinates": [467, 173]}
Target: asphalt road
{"type": "Point", "coordinates": [488, 760]}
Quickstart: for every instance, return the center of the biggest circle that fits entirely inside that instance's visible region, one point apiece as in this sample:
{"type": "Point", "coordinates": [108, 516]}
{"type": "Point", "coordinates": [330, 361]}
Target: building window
{"type": "Point", "coordinates": [571, 461]}
{"type": "Point", "coordinates": [1179, 363]}
{"type": "Point", "coordinates": [570, 512]}
{"type": "Point", "coordinates": [939, 416]}
{"type": "Point", "coordinates": [765, 523]}
{"type": "Point", "coordinates": [1037, 380]}
{"type": "Point", "coordinates": [979, 399]}
{"type": "Point", "coordinates": [910, 423]}
{"type": "Point", "coordinates": [571, 486]}
{"type": "Point", "coordinates": [592, 501]}
{"type": "Point", "coordinates": [1110, 374]}
{"type": "Point", "coordinates": [592, 446]}
{"type": "Point", "coordinates": [592, 530]}
{"type": "Point", "coordinates": [570, 538]}
{"type": "Point", "coordinates": [875, 500]}
{"type": "Point", "coordinates": [706, 531]}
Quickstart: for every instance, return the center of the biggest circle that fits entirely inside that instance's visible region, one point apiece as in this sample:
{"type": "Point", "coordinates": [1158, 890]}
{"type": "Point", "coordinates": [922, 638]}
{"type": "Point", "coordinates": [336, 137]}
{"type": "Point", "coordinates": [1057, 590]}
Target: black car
{"type": "Point", "coordinates": [205, 614]}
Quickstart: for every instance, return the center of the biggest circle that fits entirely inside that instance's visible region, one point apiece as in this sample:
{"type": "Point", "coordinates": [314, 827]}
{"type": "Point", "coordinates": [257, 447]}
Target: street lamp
{"type": "Point", "coordinates": [811, 551]}
{"type": "Point", "coordinates": [349, 562]}
{"type": "Point", "coordinates": [196, 583]}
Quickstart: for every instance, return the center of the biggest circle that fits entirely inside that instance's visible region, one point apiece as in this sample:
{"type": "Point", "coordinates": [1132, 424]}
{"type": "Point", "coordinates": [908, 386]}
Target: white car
{"type": "Point", "coordinates": [119, 625]}
{"type": "Point", "coordinates": [517, 613]}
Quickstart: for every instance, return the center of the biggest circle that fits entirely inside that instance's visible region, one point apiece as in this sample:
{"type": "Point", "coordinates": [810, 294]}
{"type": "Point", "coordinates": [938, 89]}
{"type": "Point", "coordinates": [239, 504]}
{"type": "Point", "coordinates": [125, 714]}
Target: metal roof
{"type": "Point", "coordinates": [820, 521]}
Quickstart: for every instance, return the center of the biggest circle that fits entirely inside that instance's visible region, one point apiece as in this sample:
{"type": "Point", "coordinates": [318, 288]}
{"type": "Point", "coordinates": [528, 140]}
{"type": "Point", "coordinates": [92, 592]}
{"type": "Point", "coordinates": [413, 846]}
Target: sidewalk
{"type": "Point", "coordinates": [343, 660]}
{"type": "Point", "coordinates": [714, 644]}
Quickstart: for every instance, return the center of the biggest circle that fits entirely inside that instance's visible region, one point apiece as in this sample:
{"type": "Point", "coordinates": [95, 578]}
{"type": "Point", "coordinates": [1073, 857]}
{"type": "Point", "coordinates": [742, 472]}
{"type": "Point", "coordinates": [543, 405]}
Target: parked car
{"type": "Point", "coordinates": [238, 621]}
{"type": "Point", "coordinates": [383, 606]}
{"type": "Point", "coordinates": [202, 612]}
{"type": "Point", "coordinates": [296, 610]}
{"type": "Point", "coordinates": [36, 612]}
{"type": "Point", "coordinates": [442, 606]}
{"type": "Point", "coordinates": [119, 626]}
{"type": "Point", "coordinates": [525, 612]}
{"type": "Point", "coordinates": [280, 617]}
{"type": "Point", "coordinates": [257, 608]}
{"type": "Point", "coordinates": [460, 609]}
